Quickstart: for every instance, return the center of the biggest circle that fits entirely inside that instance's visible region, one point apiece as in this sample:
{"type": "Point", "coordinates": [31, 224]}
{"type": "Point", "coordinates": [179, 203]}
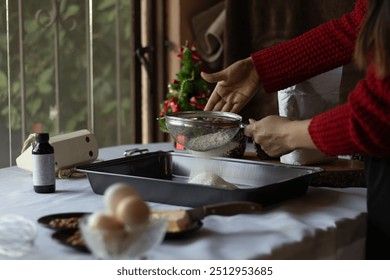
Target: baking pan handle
{"type": "Point", "coordinates": [224, 209]}
{"type": "Point", "coordinates": [137, 151]}
{"type": "Point", "coordinates": [132, 152]}
{"type": "Point", "coordinates": [243, 125]}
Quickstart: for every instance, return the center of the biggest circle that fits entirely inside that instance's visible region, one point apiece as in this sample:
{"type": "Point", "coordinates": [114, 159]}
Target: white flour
{"type": "Point", "coordinates": [211, 179]}
{"type": "Point", "coordinates": [209, 141]}
{"type": "Point", "coordinates": [217, 152]}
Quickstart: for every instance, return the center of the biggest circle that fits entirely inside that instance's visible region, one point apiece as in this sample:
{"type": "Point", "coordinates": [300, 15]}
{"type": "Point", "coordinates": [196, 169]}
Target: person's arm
{"type": "Point", "coordinates": [278, 135]}
{"type": "Point", "coordinates": [362, 125]}
{"type": "Point", "coordinates": [323, 48]}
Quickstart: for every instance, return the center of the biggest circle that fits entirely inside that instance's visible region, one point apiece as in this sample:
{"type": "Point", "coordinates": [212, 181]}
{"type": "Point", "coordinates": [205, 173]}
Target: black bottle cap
{"type": "Point", "coordinates": [42, 137]}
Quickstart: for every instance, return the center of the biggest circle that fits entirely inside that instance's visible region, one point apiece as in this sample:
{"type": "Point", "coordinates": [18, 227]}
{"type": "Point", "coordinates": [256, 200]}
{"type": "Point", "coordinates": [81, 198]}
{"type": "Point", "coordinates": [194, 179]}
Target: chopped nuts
{"type": "Point", "coordinates": [76, 239]}
{"type": "Point", "coordinates": [72, 222]}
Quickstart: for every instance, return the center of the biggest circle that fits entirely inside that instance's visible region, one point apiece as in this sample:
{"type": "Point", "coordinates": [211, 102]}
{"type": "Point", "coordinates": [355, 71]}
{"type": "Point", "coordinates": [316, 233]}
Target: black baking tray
{"type": "Point", "coordinates": [163, 177]}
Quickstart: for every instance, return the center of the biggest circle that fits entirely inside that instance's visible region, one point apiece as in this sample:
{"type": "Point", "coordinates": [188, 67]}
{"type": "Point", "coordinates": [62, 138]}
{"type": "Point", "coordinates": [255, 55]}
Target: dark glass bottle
{"type": "Point", "coordinates": [43, 164]}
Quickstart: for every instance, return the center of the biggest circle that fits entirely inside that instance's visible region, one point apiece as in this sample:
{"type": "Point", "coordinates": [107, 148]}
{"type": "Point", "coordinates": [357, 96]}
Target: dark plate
{"type": "Point", "coordinates": [62, 236]}
{"type": "Point", "coordinates": [45, 220]}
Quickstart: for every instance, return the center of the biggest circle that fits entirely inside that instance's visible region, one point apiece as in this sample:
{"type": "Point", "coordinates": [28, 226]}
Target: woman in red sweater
{"type": "Point", "coordinates": [362, 125]}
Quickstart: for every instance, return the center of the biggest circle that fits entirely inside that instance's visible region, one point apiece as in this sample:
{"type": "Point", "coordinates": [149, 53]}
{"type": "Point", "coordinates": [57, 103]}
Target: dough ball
{"type": "Point", "coordinates": [132, 211]}
{"type": "Point", "coordinates": [115, 193]}
{"type": "Point", "coordinates": [104, 221]}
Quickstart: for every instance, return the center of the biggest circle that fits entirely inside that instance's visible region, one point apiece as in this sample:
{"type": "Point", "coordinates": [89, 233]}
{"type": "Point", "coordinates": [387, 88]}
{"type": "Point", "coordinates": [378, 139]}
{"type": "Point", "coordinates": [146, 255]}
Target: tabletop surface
{"type": "Point", "coordinates": [326, 223]}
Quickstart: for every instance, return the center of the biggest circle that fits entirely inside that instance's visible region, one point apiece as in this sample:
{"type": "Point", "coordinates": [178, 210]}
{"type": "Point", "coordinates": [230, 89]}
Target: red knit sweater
{"type": "Point", "coordinates": [360, 125]}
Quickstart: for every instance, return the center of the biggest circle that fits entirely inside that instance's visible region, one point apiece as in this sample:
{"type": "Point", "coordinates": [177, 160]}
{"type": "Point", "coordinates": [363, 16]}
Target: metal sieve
{"type": "Point", "coordinates": [203, 130]}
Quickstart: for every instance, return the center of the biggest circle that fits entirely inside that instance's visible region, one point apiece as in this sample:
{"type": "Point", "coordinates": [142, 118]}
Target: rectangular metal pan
{"type": "Point", "coordinates": [163, 177]}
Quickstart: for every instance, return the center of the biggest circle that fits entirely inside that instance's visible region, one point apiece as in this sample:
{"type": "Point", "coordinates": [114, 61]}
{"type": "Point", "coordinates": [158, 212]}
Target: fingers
{"type": "Point", "coordinates": [212, 102]}
{"type": "Point", "coordinates": [251, 121]}
{"type": "Point", "coordinates": [213, 77]}
{"type": "Point", "coordinates": [215, 102]}
{"type": "Point", "coordinates": [218, 103]}
{"type": "Point", "coordinates": [236, 108]}
{"type": "Point", "coordinates": [227, 107]}
{"type": "Point", "coordinates": [250, 128]}
{"type": "Point", "coordinates": [223, 106]}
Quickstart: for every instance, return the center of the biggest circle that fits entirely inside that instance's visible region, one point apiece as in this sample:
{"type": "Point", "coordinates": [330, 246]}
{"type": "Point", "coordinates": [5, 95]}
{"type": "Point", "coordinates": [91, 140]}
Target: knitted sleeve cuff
{"type": "Point", "coordinates": [330, 132]}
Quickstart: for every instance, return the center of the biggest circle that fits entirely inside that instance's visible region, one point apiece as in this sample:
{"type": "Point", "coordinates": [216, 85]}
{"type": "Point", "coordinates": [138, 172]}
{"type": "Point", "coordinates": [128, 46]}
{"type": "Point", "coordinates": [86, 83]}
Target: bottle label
{"type": "Point", "coordinates": [43, 167]}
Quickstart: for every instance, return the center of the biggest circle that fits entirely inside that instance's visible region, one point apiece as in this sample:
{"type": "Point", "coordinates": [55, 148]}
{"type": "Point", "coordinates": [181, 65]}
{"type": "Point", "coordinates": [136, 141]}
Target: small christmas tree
{"type": "Point", "coordinates": [188, 92]}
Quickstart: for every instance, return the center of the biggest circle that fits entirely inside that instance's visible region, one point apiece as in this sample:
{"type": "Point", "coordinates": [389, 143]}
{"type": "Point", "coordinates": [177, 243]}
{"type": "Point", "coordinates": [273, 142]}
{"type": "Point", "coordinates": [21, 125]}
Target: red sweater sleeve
{"type": "Point", "coordinates": [360, 125]}
{"type": "Point", "coordinates": [321, 49]}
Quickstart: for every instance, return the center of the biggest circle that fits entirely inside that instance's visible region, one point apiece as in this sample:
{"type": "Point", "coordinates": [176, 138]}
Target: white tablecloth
{"type": "Point", "coordinates": [324, 224]}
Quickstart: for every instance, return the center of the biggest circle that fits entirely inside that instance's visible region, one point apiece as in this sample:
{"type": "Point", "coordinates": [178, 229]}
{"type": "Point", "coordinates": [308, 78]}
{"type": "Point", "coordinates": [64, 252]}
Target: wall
{"type": "Point", "coordinates": [179, 15]}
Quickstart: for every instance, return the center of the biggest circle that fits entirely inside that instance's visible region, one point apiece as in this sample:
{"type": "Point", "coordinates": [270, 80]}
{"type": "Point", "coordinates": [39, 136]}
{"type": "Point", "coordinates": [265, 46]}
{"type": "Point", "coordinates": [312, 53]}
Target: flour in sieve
{"type": "Point", "coordinates": [211, 179]}
{"type": "Point", "coordinates": [208, 141]}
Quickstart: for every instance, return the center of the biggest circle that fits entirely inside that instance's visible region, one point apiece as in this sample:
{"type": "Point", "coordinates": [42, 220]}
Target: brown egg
{"type": "Point", "coordinates": [115, 193]}
{"type": "Point", "coordinates": [104, 221]}
{"type": "Point", "coordinates": [132, 211]}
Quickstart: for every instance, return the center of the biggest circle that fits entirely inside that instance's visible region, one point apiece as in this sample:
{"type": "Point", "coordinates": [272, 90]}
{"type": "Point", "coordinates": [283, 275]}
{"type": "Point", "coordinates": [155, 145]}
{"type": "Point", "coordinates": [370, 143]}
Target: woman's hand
{"type": "Point", "coordinates": [279, 135]}
{"type": "Point", "coordinates": [236, 85]}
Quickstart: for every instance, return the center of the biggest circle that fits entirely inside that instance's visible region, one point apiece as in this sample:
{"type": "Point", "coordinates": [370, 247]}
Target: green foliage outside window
{"type": "Point", "coordinates": [40, 71]}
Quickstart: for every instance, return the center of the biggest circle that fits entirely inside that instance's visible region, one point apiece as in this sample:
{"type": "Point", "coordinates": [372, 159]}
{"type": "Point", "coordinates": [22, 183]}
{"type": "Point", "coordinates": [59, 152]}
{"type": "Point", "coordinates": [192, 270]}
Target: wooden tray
{"type": "Point", "coordinates": [338, 173]}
